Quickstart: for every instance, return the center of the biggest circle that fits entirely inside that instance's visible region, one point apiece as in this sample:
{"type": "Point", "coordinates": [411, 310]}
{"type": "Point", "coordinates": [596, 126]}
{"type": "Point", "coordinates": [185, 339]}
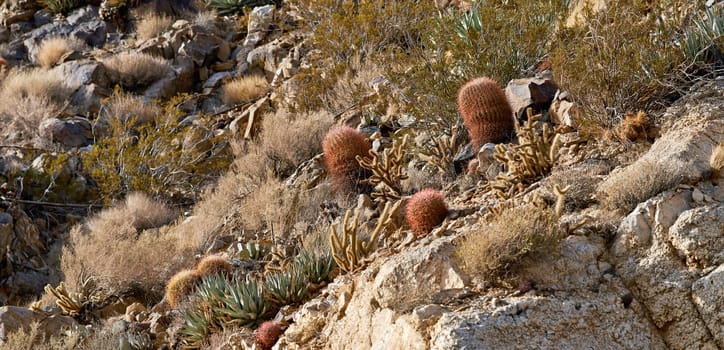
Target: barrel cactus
{"type": "Point", "coordinates": [485, 111]}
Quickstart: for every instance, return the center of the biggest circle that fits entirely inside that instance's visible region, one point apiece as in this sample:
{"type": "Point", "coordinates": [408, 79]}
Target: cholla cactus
{"type": "Point", "coordinates": [425, 210]}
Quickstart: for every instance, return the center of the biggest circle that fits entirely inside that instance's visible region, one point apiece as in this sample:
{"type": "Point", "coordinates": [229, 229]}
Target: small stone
{"type": "Point", "coordinates": [697, 196]}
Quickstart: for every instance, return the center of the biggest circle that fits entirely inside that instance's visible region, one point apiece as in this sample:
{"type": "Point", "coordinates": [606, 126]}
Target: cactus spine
{"type": "Point", "coordinates": [425, 210]}
{"type": "Point", "coordinates": [341, 146]}
{"type": "Point", "coordinates": [485, 111]}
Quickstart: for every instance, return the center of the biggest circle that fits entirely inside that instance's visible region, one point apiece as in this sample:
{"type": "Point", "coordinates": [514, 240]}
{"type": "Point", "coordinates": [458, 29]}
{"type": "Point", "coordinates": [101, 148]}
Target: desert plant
{"type": "Point", "coordinates": [196, 329]}
{"type": "Point", "coordinates": [514, 238]}
{"type": "Point", "coordinates": [148, 158]}
{"type": "Point", "coordinates": [243, 304]}
{"type": "Point", "coordinates": [213, 264]}
{"type": "Point", "coordinates": [717, 161]}
{"type": "Point", "coordinates": [153, 25]}
{"type": "Point", "coordinates": [425, 211]}
{"type": "Point", "coordinates": [617, 61]}
{"type": "Point", "coordinates": [51, 50]}
{"type": "Point", "coordinates": [704, 41]}
{"type": "Point", "coordinates": [342, 145]}
{"type": "Point", "coordinates": [254, 250]}
{"type": "Point", "coordinates": [56, 7]}
{"type": "Point", "coordinates": [632, 127]}
{"type": "Point", "coordinates": [387, 170]}
{"type": "Point", "coordinates": [349, 249]}
{"type": "Point", "coordinates": [244, 89]}
{"type": "Point", "coordinates": [316, 267]}
{"type": "Point", "coordinates": [125, 108]}
{"type": "Point", "coordinates": [232, 7]}
{"type": "Point", "coordinates": [636, 183]}
{"type": "Point", "coordinates": [530, 160]}
{"type": "Point", "coordinates": [267, 334]}
{"type": "Point", "coordinates": [286, 288]}
{"type": "Point", "coordinates": [485, 111]}
{"type": "Point", "coordinates": [180, 286]}
{"type": "Point", "coordinates": [133, 70]}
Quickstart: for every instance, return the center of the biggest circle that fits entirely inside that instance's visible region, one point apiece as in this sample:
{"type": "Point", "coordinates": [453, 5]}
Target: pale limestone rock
{"type": "Point", "coordinates": [708, 295]}
{"type": "Point", "coordinates": [586, 321]}
{"type": "Point", "coordinates": [698, 235]}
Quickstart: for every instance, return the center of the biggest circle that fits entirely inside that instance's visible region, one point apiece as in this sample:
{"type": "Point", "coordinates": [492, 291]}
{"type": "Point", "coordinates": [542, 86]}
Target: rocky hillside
{"type": "Point", "coordinates": [361, 175]}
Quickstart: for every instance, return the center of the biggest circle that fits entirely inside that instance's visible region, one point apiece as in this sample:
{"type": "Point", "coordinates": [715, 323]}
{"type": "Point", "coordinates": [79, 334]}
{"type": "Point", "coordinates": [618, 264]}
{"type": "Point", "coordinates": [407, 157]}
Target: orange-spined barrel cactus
{"type": "Point", "coordinates": [213, 264]}
{"type": "Point", "coordinates": [267, 334]}
{"type": "Point", "coordinates": [180, 286]}
{"type": "Point", "coordinates": [425, 210]}
{"type": "Point", "coordinates": [485, 111]}
{"type": "Point", "coordinates": [341, 145]}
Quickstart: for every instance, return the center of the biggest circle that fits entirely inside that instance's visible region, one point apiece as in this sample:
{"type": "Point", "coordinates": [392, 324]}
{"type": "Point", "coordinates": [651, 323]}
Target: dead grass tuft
{"type": "Point", "coordinates": [288, 140]}
{"type": "Point", "coordinates": [511, 241]}
{"type": "Point", "coordinates": [28, 98]}
{"type": "Point", "coordinates": [51, 50]}
{"type": "Point", "coordinates": [717, 160]}
{"type": "Point", "coordinates": [124, 108]}
{"type": "Point", "coordinates": [134, 70]}
{"type": "Point", "coordinates": [636, 183]}
{"type": "Point", "coordinates": [244, 89]}
{"type": "Point", "coordinates": [117, 248]}
{"type": "Point", "coordinates": [153, 25]}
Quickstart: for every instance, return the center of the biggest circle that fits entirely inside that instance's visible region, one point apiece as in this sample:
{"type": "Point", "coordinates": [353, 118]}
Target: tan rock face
{"type": "Point", "coordinates": [13, 318]}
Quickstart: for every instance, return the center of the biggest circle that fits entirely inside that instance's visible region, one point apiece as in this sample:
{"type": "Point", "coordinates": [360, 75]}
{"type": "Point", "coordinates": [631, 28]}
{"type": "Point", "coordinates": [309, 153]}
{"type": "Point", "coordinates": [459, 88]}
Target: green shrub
{"type": "Point", "coordinates": [156, 159]}
{"type": "Point", "coordinates": [618, 60]}
{"type": "Point", "coordinates": [349, 37]}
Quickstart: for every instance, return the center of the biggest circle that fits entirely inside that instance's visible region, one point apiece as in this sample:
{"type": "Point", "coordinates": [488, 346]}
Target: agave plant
{"type": "Point", "coordinates": [286, 288]}
{"type": "Point", "coordinates": [62, 6]}
{"type": "Point", "coordinates": [243, 304]}
{"type": "Point", "coordinates": [232, 7]}
{"type": "Point", "coordinates": [254, 250]}
{"type": "Point", "coordinates": [317, 268]}
{"type": "Point", "coordinates": [196, 328]}
{"type": "Point", "coordinates": [704, 41]}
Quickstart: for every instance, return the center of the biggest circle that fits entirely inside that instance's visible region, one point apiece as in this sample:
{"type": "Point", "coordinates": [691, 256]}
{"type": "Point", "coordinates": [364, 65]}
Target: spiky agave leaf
{"type": "Point", "coordinates": [231, 7]}
{"type": "Point", "coordinates": [317, 268]}
{"type": "Point", "coordinates": [254, 250]}
{"type": "Point", "coordinates": [62, 6]}
{"type": "Point", "coordinates": [286, 288]}
{"type": "Point", "coordinates": [210, 296]}
{"type": "Point", "coordinates": [196, 328]}
{"type": "Point", "coordinates": [243, 304]}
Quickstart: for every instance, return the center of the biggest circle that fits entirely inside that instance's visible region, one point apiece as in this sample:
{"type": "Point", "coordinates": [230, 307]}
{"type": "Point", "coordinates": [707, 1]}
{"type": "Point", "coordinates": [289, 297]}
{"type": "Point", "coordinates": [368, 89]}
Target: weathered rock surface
{"type": "Point", "coordinates": [708, 295]}
{"type": "Point", "coordinates": [13, 318]}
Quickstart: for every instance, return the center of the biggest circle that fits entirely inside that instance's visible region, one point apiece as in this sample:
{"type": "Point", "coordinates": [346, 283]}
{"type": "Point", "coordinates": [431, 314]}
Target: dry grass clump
{"type": "Point", "coordinates": [138, 211]}
{"type": "Point", "coordinates": [717, 161]}
{"type": "Point", "coordinates": [115, 247]}
{"type": "Point", "coordinates": [51, 50]}
{"type": "Point", "coordinates": [288, 140]}
{"type": "Point", "coordinates": [510, 241]}
{"type": "Point", "coordinates": [134, 70]}
{"type": "Point", "coordinates": [244, 89]}
{"type": "Point", "coordinates": [636, 183]}
{"type": "Point", "coordinates": [206, 20]}
{"type": "Point", "coordinates": [32, 338]}
{"type": "Point", "coordinates": [124, 108]}
{"type": "Point", "coordinates": [28, 98]}
{"type": "Point", "coordinates": [152, 25]}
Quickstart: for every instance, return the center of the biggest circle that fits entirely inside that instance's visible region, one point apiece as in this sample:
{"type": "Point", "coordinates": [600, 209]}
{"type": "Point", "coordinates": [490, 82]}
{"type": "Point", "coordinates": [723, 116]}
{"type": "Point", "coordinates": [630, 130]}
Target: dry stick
{"type": "Point", "coordinates": [52, 204]}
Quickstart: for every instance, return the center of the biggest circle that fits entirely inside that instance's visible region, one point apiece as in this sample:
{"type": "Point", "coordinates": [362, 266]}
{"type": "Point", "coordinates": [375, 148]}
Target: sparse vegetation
{"type": "Point", "coordinates": [232, 7]}
{"type": "Point", "coordinates": [425, 211]}
{"type": "Point", "coordinates": [510, 241]}
{"type": "Point", "coordinates": [134, 70]}
{"type": "Point", "coordinates": [635, 184]}
{"type": "Point", "coordinates": [245, 89]}
{"type": "Point", "coordinates": [342, 145]}
{"type": "Point", "coordinates": [62, 6]}
{"type": "Point", "coordinates": [153, 25]}
{"type": "Point", "coordinates": [51, 50]}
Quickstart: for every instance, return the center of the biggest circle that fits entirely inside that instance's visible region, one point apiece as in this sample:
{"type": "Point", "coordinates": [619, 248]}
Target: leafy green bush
{"type": "Point", "coordinates": [618, 60]}
{"type": "Point", "coordinates": [162, 159]}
